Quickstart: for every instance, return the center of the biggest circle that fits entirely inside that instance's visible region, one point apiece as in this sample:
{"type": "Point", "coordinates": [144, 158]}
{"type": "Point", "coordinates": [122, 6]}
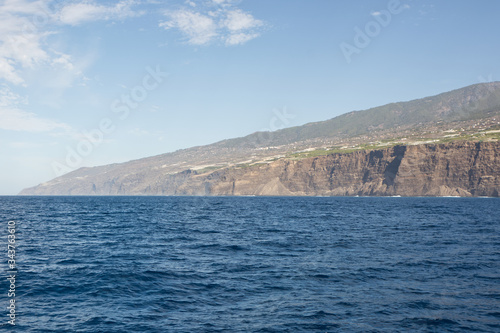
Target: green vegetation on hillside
{"type": "Point", "coordinates": [469, 103]}
{"type": "Point", "coordinates": [387, 143]}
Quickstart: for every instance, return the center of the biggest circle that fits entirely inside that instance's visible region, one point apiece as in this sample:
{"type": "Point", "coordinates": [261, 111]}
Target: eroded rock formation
{"type": "Point", "coordinates": [453, 169]}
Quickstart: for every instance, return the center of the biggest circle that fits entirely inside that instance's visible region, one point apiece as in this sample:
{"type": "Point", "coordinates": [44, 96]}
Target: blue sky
{"type": "Point", "coordinates": [85, 83]}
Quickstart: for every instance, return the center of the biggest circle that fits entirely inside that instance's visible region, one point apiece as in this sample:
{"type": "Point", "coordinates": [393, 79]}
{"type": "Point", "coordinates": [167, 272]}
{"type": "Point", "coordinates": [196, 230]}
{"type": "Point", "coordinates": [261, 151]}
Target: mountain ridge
{"type": "Point", "coordinates": [468, 107]}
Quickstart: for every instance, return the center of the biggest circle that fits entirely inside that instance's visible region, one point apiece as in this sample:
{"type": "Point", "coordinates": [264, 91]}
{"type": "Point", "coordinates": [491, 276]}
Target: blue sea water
{"type": "Point", "coordinates": [252, 264]}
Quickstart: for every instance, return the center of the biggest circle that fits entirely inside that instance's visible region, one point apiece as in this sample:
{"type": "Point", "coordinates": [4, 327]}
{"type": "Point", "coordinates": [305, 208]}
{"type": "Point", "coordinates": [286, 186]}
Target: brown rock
{"type": "Point", "coordinates": [453, 169]}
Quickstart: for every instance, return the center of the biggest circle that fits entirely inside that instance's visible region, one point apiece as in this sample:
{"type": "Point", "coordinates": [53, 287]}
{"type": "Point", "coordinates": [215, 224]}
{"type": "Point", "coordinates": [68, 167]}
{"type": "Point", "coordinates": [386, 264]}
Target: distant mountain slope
{"type": "Point", "coordinates": [473, 102]}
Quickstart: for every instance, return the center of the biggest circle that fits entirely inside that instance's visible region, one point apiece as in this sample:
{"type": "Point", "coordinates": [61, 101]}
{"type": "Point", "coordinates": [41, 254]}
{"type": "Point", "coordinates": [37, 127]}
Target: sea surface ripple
{"type": "Point", "coordinates": [253, 264]}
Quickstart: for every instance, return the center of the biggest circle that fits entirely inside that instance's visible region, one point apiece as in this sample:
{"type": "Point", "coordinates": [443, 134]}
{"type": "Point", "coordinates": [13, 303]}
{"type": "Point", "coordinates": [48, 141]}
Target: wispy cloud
{"type": "Point", "coordinates": [14, 119]}
{"type": "Point", "coordinates": [19, 120]}
{"type": "Point", "coordinates": [25, 145]}
{"type": "Point", "coordinates": [20, 40]}
{"type": "Point", "coordinates": [198, 28]}
{"type": "Point", "coordinates": [237, 20]}
{"type": "Point", "coordinates": [25, 26]}
{"type": "Point", "coordinates": [220, 21]}
{"type": "Point", "coordinates": [78, 13]}
{"type": "Point", "coordinates": [240, 38]}
{"type": "Point", "coordinates": [141, 133]}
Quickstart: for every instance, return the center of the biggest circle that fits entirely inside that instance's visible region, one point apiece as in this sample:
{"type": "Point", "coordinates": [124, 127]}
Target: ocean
{"type": "Point", "coordinates": [250, 264]}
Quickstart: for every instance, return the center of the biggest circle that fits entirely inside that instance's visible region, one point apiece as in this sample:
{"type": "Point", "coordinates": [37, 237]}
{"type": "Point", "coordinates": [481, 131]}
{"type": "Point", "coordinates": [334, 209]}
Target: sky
{"type": "Point", "coordinates": [86, 83]}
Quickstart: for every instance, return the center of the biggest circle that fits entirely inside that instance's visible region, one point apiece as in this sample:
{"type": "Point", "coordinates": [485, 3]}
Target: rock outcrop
{"type": "Point", "coordinates": [453, 169]}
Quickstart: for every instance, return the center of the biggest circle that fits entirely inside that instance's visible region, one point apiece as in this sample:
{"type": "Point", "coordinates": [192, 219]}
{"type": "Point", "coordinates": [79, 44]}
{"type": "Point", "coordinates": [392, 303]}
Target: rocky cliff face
{"type": "Point", "coordinates": [454, 169]}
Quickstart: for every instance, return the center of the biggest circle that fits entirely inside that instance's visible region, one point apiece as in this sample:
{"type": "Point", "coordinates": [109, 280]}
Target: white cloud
{"type": "Point", "coordinates": [217, 22]}
{"type": "Point", "coordinates": [19, 120]}
{"type": "Point", "coordinates": [62, 75]}
{"type": "Point", "coordinates": [20, 39]}
{"type": "Point", "coordinates": [8, 98]}
{"type": "Point", "coordinates": [14, 119]}
{"type": "Point", "coordinates": [376, 13]}
{"type": "Point", "coordinates": [8, 72]}
{"type": "Point", "coordinates": [238, 20]}
{"type": "Point", "coordinates": [64, 61]}
{"type": "Point", "coordinates": [78, 13]}
{"type": "Point", "coordinates": [199, 29]}
{"type": "Point", "coordinates": [25, 26]}
{"type": "Point", "coordinates": [239, 23]}
{"type": "Point", "coordinates": [24, 7]}
{"type": "Point", "coordinates": [224, 2]}
{"type": "Point", "coordinates": [241, 38]}
{"type": "Point", "coordinates": [219, 1]}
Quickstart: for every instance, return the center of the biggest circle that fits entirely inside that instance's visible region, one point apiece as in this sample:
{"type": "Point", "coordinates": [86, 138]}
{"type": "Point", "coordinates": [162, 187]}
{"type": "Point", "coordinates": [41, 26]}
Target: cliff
{"type": "Point", "coordinates": [461, 168]}
{"type": "Point", "coordinates": [313, 159]}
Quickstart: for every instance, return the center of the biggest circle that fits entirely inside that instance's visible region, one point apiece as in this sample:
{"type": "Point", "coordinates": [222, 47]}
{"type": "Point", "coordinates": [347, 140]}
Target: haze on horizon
{"type": "Point", "coordinates": [156, 76]}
